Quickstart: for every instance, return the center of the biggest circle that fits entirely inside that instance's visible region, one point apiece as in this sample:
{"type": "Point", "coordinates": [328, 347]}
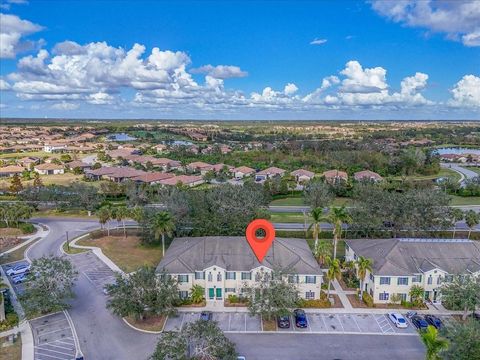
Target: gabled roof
{"type": "Point", "coordinates": [272, 171]}
{"type": "Point", "coordinates": [302, 172]}
{"type": "Point", "coordinates": [398, 257]}
{"type": "Point", "coordinates": [232, 253]}
{"type": "Point", "coordinates": [243, 169]}
{"type": "Point", "coordinates": [335, 174]}
{"type": "Point", "coordinates": [48, 166]}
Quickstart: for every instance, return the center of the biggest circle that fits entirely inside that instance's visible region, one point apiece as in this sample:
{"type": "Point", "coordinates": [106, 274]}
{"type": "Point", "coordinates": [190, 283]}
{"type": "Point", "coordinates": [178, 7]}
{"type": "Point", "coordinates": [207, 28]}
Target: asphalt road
{"type": "Point", "coordinates": [328, 347]}
{"type": "Point", "coordinates": [459, 168]}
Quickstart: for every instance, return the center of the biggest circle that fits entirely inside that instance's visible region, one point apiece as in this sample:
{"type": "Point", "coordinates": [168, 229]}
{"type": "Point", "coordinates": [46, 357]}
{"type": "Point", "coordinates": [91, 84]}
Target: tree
{"type": "Point", "coordinates": [37, 180]}
{"type": "Point", "coordinates": [317, 217]}
{"type": "Point", "coordinates": [322, 251]}
{"type": "Point", "coordinates": [317, 194]}
{"type": "Point", "coordinates": [209, 176]}
{"type": "Point", "coordinates": [363, 265]}
{"type": "Point", "coordinates": [457, 215]}
{"type": "Point", "coordinates": [120, 214]}
{"type": "Point", "coordinates": [462, 293]}
{"type": "Point", "coordinates": [472, 219]}
{"type": "Point", "coordinates": [464, 341]}
{"type": "Point", "coordinates": [104, 214]}
{"type": "Point", "coordinates": [49, 286]}
{"type": "Point", "coordinates": [83, 196]}
{"type": "Point", "coordinates": [416, 294]}
{"type": "Point", "coordinates": [270, 295]}
{"type": "Point", "coordinates": [16, 184]}
{"type": "Point", "coordinates": [395, 299]}
{"type": "Point", "coordinates": [12, 213]}
{"type": "Point", "coordinates": [197, 294]}
{"type": "Point", "coordinates": [433, 343]}
{"type": "Point", "coordinates": [337, 217]}
{"type": "Point", "coordinates": [162, 225]}
{"type": "Point", "coordinates": [199, 340]}
{"type": "Point", "coordinates": [143, 293]}
{"type": "Point", "coordinates": [334, 271]}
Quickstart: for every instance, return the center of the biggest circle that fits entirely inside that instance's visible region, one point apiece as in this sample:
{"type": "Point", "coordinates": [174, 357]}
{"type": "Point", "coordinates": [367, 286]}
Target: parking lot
{"type": "Point", "coordinates": [53, 338]}
{"type": "Point", "coordinates": [18, 287]}
{"type": "Point", "coordinates": [323, 323]}
{"type": "Point", "coordinates": [94, 269]}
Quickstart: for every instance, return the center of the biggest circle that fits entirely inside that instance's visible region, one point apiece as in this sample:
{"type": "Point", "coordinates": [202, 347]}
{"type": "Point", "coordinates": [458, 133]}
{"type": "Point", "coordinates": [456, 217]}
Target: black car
{"type": "Point", "coordinates": [419, 322]}
{"type": "Point", "coordinates": [434, 321]}
{"type": "Point", "coordinates": [283, 322]}
{"type": "Point", "coordinates": [300, 318]}
{"type": "Point", "coordinates": [206, 315]}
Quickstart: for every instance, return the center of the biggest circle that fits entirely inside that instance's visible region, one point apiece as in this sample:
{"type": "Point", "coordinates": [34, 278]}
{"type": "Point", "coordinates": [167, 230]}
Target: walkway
{"type": "Point", "coordinates": [342, 294]}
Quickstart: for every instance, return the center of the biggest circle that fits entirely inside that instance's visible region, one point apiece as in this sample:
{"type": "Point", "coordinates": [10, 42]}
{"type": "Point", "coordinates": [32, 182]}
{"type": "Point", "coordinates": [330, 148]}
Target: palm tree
{"type": "Point", "coordinates": [317, 216]}
{"type": "Point", "coordinates": [322, 251]}
{"type": "Point", "coordinates": [333, 272]}
{"type": "Point", "coordinates": [198, 294]}
{"type": "Point", "coordinates": [457, 215]}
{"type": "Point", "coordinates": [363, 265]}
{"type": "Point", "coordinates": [416, 294]}
{"type": "Point", "coordinates": [472, 219]}
{"type": "Point", "coordinates": [433, 343]}
{"type": "Point", "coordinates": [162, 225]}
{"type": "Point", "coordinates": [337, 217]}
{"type": "Point", "coordinates": [104, 215]}
{"type": "Point", "coordinates": [121, 213]}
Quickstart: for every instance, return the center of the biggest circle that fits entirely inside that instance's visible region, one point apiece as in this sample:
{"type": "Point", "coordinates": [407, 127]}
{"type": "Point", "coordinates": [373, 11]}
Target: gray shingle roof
{"type": "Point", "coordinates": [398, 257]}
{"type": "Point", "coordinates": [233, 253]}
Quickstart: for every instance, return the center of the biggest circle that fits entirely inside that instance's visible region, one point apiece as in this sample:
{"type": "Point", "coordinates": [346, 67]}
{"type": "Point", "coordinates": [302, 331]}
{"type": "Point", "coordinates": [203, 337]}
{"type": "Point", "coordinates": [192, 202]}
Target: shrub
{"type": "Point", "coordinates": [367, 299]}
{"type": "Point", "coordinates": [10, 321]}
{"type": "Point", "coordinates": [26, 228]}
{"type": "Point", "coordinates": [233, 299]}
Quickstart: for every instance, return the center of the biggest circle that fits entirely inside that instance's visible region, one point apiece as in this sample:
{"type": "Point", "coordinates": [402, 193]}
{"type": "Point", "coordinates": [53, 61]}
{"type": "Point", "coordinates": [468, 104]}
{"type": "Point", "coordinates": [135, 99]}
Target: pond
{"type": "Point", "coordinates": [120, 137]}
{"type": "Point", "coordinates": [457, 151]}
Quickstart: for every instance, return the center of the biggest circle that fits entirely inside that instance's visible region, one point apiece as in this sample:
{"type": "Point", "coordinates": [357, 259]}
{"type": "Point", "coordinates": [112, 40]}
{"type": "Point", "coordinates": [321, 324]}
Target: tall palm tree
{"type": "Point", "coordinates": [121, 213]}
{"type": "Point", "coordinates": [162, 225]}
{"type": "Point", "coordinates": [337, 217]}
{"type": "Point", "coordinates": [333, 272]}
{"type": "Point", "coordinates": [322, 250]}
{"type": "Point", "coordinates": [104, 215]}
{"type": "Point", "coordinates": [433, 343]}
{"type": "Point", "coordinates": [317, 216]}
{"type": "Point", "coordinates": [363, 265]}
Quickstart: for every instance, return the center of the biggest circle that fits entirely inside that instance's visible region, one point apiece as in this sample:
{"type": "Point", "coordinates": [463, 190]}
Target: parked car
{"type": "Point", "coordinates": [206, 315]}
{"type": "Point", "coordinates": [283, 322]}
{"type": "Point", "coordinates": [300, 318]}
{"type": "Point", "coordinates": [434, 321]}
{"type": "Point", "coordinates": [19, 278]}
{"type": "Point", "coordinates": [411, 314]}
{"type": "Point", "coordinates": [398, 320]}
{"type": "Point", "coordinates": [241, 358]}
{"type": "Point", "coordinates": [18, 269]}
{"type": "Point", "coordinates": [419, 322]}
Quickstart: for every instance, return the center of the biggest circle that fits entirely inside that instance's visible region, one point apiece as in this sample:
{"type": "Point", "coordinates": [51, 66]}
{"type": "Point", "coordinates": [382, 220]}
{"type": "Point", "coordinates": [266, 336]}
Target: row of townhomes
{"type": "Point", "coordinates": [223, 265]}
{"type": "Point", "coordinates": [398, 264]}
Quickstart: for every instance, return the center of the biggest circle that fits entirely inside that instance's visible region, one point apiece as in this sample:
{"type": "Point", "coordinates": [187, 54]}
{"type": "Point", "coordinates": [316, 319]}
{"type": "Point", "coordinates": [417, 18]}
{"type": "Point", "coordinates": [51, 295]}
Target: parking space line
{"type": "Point", "coordinates": [340, 321]}
{"type": "Point", "coordinates": [229, 320]}
{"type": "Point", "coordinates": [323, 321]}
{"type": "Point", "coordinates": [355, 321]}
{"type": "Point", "coordinates": [245, 317]}
{"type": "Point", "coordinates": [53, 331]}
{"type": "Point", "coordinates": [51, 356]}
{"type": "Point", "coordinates": [52, 322]}
{"type": "Point", "coordinates": [57, 346]}
{"type": "Point", "coordinates": [181, 324]}
{"type": "Point", "coordinates": [55, 351]}
{"type": "Point", "coordinates": [66, 343]}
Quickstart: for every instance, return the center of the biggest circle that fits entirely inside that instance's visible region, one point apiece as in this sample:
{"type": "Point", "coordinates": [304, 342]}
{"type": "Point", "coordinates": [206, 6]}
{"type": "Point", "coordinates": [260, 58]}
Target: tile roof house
{"type": "Point", "coordinates": [223, 264]}
{"type": "Point", "coordinates": [334, 176]}
{"type": "Point", "coordinates": [367, 175]}
{"type": "Point", "coordinates": [152, 178]}
{"type": "Point", "coordinates": [11, 170]}
{"type": "Point", "coordinates": [302, 176]}
{"type": "Point", "coordinates": [187, 180]}
{"type": "Point", "coordinates": [49, 169]}
{"type": "Point", "coordinates": [269, 173]}
{"type": "Point", "coordinates": [242, 171]}
{"type": "Point", "coordinates": [78, 164]}
{"type": "Point", "coordinates": [200, 166]}
{"type": "Point", "coordinates": [398, 264]}
{"type": "Point", "coordinates": [116, 174]}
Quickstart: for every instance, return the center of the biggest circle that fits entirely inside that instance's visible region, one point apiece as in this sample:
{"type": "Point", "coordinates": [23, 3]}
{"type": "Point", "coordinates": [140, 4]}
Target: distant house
{"type": "Point", "coordinates": [219, 167]}
{"type": "Point", "coordinates": [335, 176]}
{"type": "Point", "coordinates": [160, 148]}
{"type": "Point", "coordinates": [78, 164]}
{"type": "Point", "coordinates": [115, 174]}
{"type": "Point", "coordinates": [54, 147]}
{"type": "Point", "coordinates": [225, 149]}
{"type": "Point", "coordinates": [28, 161]}
{"type": "Point", "coordinates": [49, 169]}
{"type": "Point", "coordinates": [367, 175]}
{"type": "Point", "coordinates": [187, 180]}
{"type": "Point", "coordinates": [167, 164]}
{"type": "Point", "coordinates": [302, 176]}
{"type": "Point", "coordinates": [269, 173]}
{"type": "Point", "coordinates": [11, 170]}
{"type": "Point", "coordinates": [242, 171]}
{"type": "Point", "coordinates": [199, 166]}
{"type": "Point", "coordinates": [152, 178]}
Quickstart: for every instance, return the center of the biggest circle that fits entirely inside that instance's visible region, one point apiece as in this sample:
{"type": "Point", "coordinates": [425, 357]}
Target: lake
{"type": "Point", "coordinates": [120, 137]}
{"type": "Point", "coordinates": [457, 151]}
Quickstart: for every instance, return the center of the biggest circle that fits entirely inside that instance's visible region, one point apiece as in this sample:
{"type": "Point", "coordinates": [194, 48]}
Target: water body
{"type": "Point", "coordinates": [120, 137]}
{"type": "Point", "coordinates": [457, 151]}
{"type": "Point", "coordinates": [181, 143]}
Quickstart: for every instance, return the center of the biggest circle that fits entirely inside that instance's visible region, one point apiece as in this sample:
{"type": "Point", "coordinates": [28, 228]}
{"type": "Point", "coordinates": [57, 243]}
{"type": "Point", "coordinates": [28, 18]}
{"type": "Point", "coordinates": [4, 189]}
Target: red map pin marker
{"type": "Point", "coordinates": [260, 246]}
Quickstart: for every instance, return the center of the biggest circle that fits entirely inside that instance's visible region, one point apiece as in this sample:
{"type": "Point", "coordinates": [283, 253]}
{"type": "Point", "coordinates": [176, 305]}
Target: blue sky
{"type": "Point", "coordinates": [241, 60]}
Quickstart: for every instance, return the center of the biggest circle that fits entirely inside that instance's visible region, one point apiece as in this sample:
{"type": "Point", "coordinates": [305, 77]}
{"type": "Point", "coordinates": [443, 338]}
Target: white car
{"type": "Point", "coordinates": [398, 320]}
{"type": "Point", "coordinates": [18, 269]}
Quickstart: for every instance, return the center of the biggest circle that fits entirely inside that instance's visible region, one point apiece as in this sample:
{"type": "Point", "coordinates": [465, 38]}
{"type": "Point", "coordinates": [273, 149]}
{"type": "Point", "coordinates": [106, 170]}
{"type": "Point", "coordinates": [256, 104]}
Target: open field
{"type": "Point", "coordinates": [60, 179]}
{"type": "Point", "coordinates": [127, 252]}
{"type": "Point", "coordinates": [442, 173]}
{"type": "Point", "coordinates": [461, 200]}
{"type": "Point", "coordinates": [11, 351]}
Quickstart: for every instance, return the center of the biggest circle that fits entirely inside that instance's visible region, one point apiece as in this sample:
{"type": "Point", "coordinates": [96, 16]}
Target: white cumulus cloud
{"type": "Point", "coordinates": [466, 92]}
{"type": "Point", "coordinates": [12, 31]}
{"type": "Point", "coordinates": [221, 71]}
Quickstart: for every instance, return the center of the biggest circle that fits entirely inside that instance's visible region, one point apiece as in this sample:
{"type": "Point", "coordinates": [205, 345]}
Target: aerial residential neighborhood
{"type": "Point", "coordinates": [250, 180]}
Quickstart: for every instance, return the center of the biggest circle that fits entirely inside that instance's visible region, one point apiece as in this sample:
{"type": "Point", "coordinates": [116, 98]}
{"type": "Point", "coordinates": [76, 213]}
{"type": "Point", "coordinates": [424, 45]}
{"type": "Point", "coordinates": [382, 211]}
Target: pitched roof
{"type": "Point", "coordinates": [152, 177]}
{"type": "Point", "coordinates": [367, 174]}
{"type": "Point", "coordinates": [398, 257]}
{"type": "Point", "coordinates": [184, 179]}
{"type": "Point", "coordinates": [11, 169]}
{"type": "Point", "coordinates": [243, 169]}
{"type": "Point", "coordinates": [186, 255]}
{"type": "Point", "coordinates": [48, 166]}
{"type": "Point", "coordinates": [335, 174]}
{"type": "Point", "coordinates": [272, 171]}
{"type": "Point", "coordinates": [302, 172]}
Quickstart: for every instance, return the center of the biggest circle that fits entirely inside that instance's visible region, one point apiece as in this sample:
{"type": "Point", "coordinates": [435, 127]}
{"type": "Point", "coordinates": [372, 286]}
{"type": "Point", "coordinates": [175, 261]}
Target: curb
{"type": "Point", "coordinates": [75, 336]}
{"type": "Point", "coordinates": [145, 331]}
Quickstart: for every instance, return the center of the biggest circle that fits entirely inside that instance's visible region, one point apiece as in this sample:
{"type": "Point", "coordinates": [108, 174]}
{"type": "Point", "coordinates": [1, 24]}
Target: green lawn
{"type": "Point", "coordinates": [442, 173]}
{"type": "Point", "coordinates": [474, 168]}
{"type": "Point", "coordinates": [290, 201]}
{"type": "Point", "coordinates": [460, 200]}
{"type": "Point", "coordinates": [289, 217]}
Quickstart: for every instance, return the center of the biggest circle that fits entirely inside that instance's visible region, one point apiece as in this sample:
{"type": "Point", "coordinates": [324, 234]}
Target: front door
{"type": "Point", "coordinates": [211, 293]}
{"type": "Point", "coordinates": [434, 295]}
{"type": "Point", "coordinates": [219, 293]}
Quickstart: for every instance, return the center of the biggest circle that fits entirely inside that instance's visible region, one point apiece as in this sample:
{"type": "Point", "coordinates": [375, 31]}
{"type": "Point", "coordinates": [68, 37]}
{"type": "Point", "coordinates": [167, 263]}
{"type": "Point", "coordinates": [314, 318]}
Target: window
{"type": "Point", "coordinates": [183, 294]}
{"type": "Point", "coordinates": [383, 296]}
{"type": "Point", "coordinates": [439, 280]}
{"type": "Point", "coordinates": [182, 278]}
{"type": "Point", "coordinates": [231, 290]}
{"type": "Point", "coordinates": [293, 279]}
{"type": "Point", "coordinates": [309, 295]}
{"type": "Point", "coordinates": [199, 275]}
{"type": "Point", "coordinates": [219, 276]}
{"type": "Point", "coordinates": [430, 280]}
{"type": "Point", "coordinates": [403, 297]}
{"type": "Point", "coordinates": [448, 278]}
{"type": "Point", "coordinates": [417, 278]}
{"type": "Point", "coordinates": [384, 280]}
{"type": "Point", "coordinates": [246, 276]}
{"type": "Point", "coordinates": [230, 275]}
{"type": "Point", "coordinates": [210, 276]}
{"type": "Point", "coordinates": [402, 281]}
{"type": "Point", "coordinates": [310, 279]}
{"type": "Point", "coordinates": [371, 277]}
